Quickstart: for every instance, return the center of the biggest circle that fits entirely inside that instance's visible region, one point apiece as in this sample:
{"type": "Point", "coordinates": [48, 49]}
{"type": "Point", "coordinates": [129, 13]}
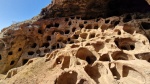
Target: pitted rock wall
{"type": "Point", "coordinates": [35, 40]}
{"type": "Point", "coordinates": [88, 54]}
{"type": "Point", "coordinates": [78, 48]}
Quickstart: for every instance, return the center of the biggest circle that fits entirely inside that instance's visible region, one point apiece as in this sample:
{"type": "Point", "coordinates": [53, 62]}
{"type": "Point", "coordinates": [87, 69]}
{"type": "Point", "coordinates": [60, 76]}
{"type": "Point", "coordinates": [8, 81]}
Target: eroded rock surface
{"type": "Point", "coordinates": [72, 50]}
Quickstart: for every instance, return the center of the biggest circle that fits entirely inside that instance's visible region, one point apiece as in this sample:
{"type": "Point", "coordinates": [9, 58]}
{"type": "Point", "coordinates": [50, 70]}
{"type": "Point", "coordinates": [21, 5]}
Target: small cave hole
{"type": "Point", "coordinates": [75, 36]}
{"type": "Point", "coordinates": [72, 17]}
{"type": "Point", "coordinates": [104, 57]}
{"type": "Point", "coordinates": [116, 42]}
{"type": "Point", "coordinates": [10, 53]}
{"type": "Point", "coordinates": [73, 29]}
{"type": "Point", "coordinates": [69, 23]}
{"type": "Point", "coordinates": [0, 57]}
{"type": "Point", "coordinates": [12, 62]}
{"type": "Point", "coordinates": [58, 61]}
{"type": "Point", "coordinates": [46, 50]}
{"type": "Point", "coordinates": [58, 45]}
{"type": "Point", "coordinates": [56, 24]}
{"type": "Point", "coordinates": [124, 48]}
{"type": "Point", "coordinates": [96, 26]}
{"type": "Point", "coordinates": [92, 36]}
{"type": "Point", "coordinates": [81, 26]}
{"type": "Point", "coordinates": [89, 26]}
{"type": "Point", "coordinates": [69, 39]}
{"type": "Point", "coordinates": [40, 31]}
{"type": "Point", "coordinates": [19, 49]}
{"type": "Point", "coordinates": [53, 47]}
{"type": "Point", "coordinates": [66, 19]}
{"type": "Point", "coordinates": [78, 17]}
{"type": "Point", "coordinates": [107, 21]}
{"type": "Point", "coordinates": [119, 55]}
{"type": "Point", "coordinates": [85, 22]}
{"type": "Point", "coordinates": [132, 47]}
{"type": "Point", "coordinates": [128, 29]}
{"type": "Point", "coordinates": [83, 35]}
{"type": "Point", "coordinates": [85, 54]}
{"type": "Point", "coordinates": [48, 38]}
{"type": "Point", "coordinates": [33, 45]}
{"type": "Point", "coordinates": [49, 25]}
{"type": "Point", "coordinates": [145, 25]}
{"type": "Point", "coordinates": [67, 31]}
{"type": "Point", "coordinates": [97, 20]}
{"type": "Point", "coordinates": [127, 18]}
{"type": "Point", "coordinates": [116, 23]}
{"type": "Point", "coordinates": [119, 32]}
{"type": "Point", "coordinates": [38, 51]}
{"type": "Point", "coordinates": [149, 60]}
{"type": "Point", "coordinates": [24, 61]}
{"type": "Point", "coordinates": [88, 60]}
{"type": "Point", "coordinates": [45, 45]}
{"type": "Point", "coordinates": [64, 41]}
{"type": "Point", "coordinates": [30, 53]}
{"type": "Point", "coordinates": [71, 42]}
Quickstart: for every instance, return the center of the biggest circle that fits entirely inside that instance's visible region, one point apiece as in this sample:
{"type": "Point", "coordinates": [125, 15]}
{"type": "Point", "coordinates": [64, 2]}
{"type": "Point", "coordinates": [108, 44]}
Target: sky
{"type": "Point", "coordinates": [12, 11]}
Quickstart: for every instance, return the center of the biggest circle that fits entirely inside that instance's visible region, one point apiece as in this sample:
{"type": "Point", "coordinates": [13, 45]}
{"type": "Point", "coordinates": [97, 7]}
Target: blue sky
{"type": "Point", "coordinates": [19, 10]}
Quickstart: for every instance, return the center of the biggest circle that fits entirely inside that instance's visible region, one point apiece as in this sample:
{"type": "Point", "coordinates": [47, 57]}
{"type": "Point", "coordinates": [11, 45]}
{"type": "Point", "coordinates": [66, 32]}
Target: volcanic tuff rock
{"type": "Point", "coordinates": [75, 42]}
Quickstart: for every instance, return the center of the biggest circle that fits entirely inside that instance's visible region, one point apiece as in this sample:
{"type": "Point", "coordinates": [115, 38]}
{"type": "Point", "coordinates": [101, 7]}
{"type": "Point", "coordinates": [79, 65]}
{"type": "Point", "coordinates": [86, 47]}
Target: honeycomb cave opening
{"type": "Point", "coordinates": [12, 62]}
{"type": "Point", "coordinates": [46, 50]}
{"type": "Point", "coordinates": [30, 53]}
{"type": "Point", "coordinates": [33, 45]}
{"type": "Point", "coordinates": [120, 55]}
{"type": "Point", "coordinates": [89, 26]}
{"type": "Point", "coordinates": [85, 54]}
{"type": "Point", "coordinates": [125, 43]}
{"type": "Point", "coordinates": [67, 31]}
{"type": "Point", "coordinates": [40, 31]}
{"type": "Point", "coordinates": [145, 25]}
{"type": "Point", "coordinates": [92, 35]}
{"type": "Point", "coordinates": [19, 49]}
{"type": "Point", "coordinates": [83, 81]}
{"type": "Point", "coordinates": [48, 38]}
{"type": "Point", "coordinates": [104, 57]}
{"type": "Point", "coordinates": [0, 57]}
{"type": "Point", "coordinates": [45, 44]}
{"type": "Point", "coordinates": [66, 62]}
{"type": "Point", "coordinates": [149, 60]}
{"type": "Point", "coordinates": [115, 73]}
{"type": "Point", "coordinates": [56, 24]}
{"type": "Point", "coordinates": [128, 29]}
{"type": "Point", "coordinates": [75, 36]}
{"type": "Point", "coordinates": [127, 18]}
{"type": "Point", "coordinates": [66, 19]}
{"type": "Point", "coordinates": [67, 78]}
{"type": "Point", "coordinates": [69, 23]}
{"type": "Point", "coordinates": [96, 26]}
{"type": "Point", "coordinates": [93, 72]}
{"type": "Point", "coordinates": [81, 26]}
{"type": "Point", "coordinates": [73, 29]}
{"type": "Point", "coordinates": [53, 47]}
{"type": "Point", "coordinates": [10, 53]}
{"type": "Point", "coordinates": [24, 61]}
{"type": "Point", "coordinates": [107, 21]}
{"type": "Point", "coordinates": [49, 25]}
{"type": "Point", "coordinates": [38, 51]}
{"type": "Point", "coordinates": [83, 35]}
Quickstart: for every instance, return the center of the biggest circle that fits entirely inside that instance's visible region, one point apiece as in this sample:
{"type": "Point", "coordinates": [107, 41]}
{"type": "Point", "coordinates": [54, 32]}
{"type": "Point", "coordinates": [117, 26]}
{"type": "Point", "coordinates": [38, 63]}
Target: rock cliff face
{"type": "Point", "coordinates": [77, 42]}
